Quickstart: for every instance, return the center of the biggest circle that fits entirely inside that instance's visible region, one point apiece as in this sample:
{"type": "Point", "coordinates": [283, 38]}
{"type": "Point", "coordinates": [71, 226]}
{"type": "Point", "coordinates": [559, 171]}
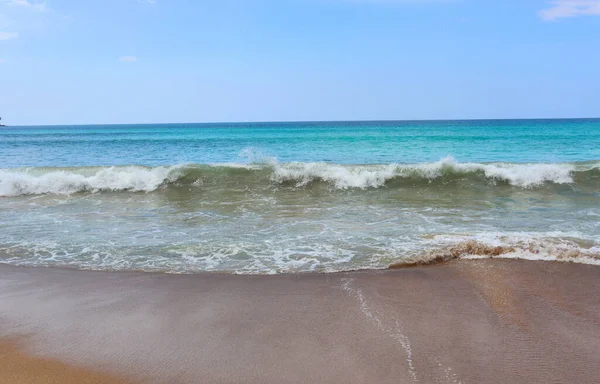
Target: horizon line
{"type": "Point", "coordinates": [308, 121]}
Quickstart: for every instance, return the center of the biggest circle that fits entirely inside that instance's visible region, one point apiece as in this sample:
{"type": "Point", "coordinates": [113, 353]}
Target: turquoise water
{"type": "Point", "coordinates": [346, 143]}
{"type": "Point", "coordinates": [297, 197]}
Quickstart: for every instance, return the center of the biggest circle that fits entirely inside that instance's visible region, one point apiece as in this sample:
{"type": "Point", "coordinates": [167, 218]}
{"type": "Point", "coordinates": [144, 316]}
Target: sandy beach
{"type": "Point", "coordinates": [18, 367]}
{"type": "Point", "coordinates": [468, 321]}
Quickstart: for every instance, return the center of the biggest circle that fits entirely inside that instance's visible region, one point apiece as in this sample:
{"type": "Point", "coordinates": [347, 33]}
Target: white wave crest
{"type": "Point", "coordinates": [35, 181]}
{"type": "Point", "coordinates": [373, 176]}
{"type": "Point", "coordinates": [32, 181]}
{"type": "Point", "coordinates": [521, 175]}
{"type": "Point", "coordinates": [341, 176]}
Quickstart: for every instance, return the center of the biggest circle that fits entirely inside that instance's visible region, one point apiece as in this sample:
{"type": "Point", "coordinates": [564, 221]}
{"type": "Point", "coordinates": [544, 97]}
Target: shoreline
{"type": "Point", "coordinates": [437, 258]}
{"type": "Point", "coordinates": [469, 321]}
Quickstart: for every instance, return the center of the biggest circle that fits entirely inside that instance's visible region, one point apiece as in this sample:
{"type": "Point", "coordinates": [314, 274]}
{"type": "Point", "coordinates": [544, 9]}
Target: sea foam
{"type": "Point", "coordinates": [505, 246]}
{"type": "Point", "coordinates": [33, 181]}
{"type": "Point", "coordinates": [373, 176]}
{"type": "Point", "coordinates": [66, 181]}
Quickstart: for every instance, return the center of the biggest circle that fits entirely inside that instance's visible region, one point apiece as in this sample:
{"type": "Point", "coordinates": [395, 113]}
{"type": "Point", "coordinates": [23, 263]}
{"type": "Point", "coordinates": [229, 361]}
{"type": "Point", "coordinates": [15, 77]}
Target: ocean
{"type": "Point", "coordinates": [264, 198]}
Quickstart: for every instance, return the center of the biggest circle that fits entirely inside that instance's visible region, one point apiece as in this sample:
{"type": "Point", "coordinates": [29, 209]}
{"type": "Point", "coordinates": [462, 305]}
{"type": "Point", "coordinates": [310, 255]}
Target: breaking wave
{"type": "Point", "coordinates": [34, 181]}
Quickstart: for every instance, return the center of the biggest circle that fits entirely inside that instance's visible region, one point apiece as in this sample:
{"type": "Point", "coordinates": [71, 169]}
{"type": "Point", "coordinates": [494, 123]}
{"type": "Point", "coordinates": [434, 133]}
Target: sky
{"type": "Point", "coordinates": [161, 61]}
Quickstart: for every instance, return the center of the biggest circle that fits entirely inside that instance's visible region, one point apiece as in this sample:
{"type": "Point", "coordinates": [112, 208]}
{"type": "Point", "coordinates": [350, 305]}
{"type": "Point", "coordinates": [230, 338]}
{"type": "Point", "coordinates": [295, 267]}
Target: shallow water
{"type": "Point", "coordinates": [289, 197]}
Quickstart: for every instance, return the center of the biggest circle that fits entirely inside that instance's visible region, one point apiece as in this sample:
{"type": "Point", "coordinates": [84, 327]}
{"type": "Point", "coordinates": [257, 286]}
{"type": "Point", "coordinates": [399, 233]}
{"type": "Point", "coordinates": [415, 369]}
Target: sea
{"type": "Point", "coordinates": [267, 198]}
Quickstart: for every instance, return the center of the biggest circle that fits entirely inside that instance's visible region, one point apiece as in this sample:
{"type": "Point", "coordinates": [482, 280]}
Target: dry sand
{"type": "Point", "coordinates": [469, 321]}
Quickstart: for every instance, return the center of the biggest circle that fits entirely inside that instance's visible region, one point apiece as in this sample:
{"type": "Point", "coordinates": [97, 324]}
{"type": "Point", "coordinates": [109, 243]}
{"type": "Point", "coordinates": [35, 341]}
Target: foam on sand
{"type": "Point", "coordinates": [545, 249]}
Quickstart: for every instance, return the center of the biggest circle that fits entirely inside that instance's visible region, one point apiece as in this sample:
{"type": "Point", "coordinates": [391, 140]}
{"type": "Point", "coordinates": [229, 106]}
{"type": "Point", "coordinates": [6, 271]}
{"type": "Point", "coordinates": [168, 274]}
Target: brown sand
{"type": "Point", "coordinates": [17, 367]}
{"type": "Point", "coordinates": [484, 321]}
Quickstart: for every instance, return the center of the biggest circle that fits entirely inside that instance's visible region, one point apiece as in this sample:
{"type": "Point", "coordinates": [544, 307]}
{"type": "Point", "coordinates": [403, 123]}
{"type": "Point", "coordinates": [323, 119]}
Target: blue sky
{"type": "Point", "coordinates": [142, 61]}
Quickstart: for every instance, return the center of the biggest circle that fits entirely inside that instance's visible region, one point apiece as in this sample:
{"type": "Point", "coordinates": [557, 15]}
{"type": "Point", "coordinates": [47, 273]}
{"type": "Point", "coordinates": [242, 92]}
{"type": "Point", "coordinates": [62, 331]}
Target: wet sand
{"type": "Point", "coordinates": [17, 367]}
{"type": "Point", "coordinates": [467, 321]}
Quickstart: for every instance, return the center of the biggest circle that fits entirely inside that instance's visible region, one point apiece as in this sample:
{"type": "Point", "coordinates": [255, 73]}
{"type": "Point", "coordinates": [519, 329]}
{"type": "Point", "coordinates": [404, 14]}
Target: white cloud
{"type": "Point", "coordinates": [8, 35]}
{"type": "Point", "coordinates": [570, 8]}
{"type": "Point", "coordinates": [39, 6]}
{"type": "Point", "coordinates": [128, 59]}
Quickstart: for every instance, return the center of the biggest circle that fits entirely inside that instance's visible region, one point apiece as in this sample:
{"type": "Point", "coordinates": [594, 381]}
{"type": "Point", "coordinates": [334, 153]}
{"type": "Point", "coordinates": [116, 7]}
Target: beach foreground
{"type": "Point", "coordinates": [468, 321]}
